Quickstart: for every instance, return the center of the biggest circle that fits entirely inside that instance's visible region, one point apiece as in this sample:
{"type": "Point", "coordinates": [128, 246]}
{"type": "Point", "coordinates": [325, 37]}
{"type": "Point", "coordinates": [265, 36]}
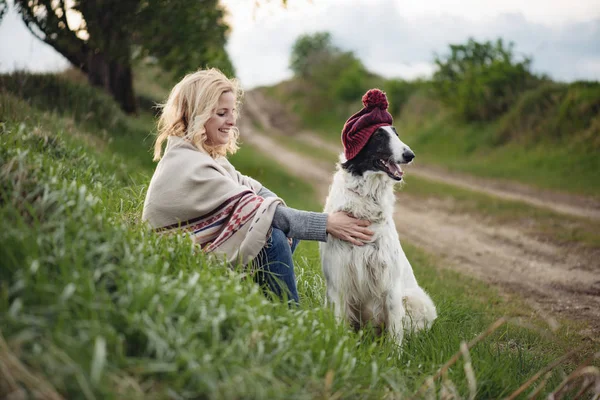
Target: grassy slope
{"type": "Point", "coordinates": [550, 164]}
{"type": "Point", "coordinates": [96, 305]}
{"type": "Point", "coordinates": [542, 141]}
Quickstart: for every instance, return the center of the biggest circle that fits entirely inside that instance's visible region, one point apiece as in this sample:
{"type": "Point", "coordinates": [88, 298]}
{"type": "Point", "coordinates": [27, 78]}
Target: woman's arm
{"type": "Point", "coordinates": [308, 225]}
{"type": "Point", "coordinates": [303, 225]}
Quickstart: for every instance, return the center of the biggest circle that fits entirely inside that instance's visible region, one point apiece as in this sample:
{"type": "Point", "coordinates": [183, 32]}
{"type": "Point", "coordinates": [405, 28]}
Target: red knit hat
{"type": "Point", "coordinates": [359, 127]}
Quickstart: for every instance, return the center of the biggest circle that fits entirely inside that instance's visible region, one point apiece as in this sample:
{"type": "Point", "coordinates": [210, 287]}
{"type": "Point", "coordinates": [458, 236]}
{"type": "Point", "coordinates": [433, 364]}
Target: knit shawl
{"type": "Point", "coordinates": [210, 200]}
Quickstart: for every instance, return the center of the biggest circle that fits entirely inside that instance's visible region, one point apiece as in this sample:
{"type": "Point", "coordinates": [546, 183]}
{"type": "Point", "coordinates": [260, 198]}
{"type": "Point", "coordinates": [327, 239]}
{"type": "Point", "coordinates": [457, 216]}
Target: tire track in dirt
{"type": "Point", "coordinates": [565, 284]}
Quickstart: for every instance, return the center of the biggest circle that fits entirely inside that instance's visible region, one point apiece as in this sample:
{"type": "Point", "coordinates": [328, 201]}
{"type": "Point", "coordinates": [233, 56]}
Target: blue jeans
{"type": "Point", "coordinates": [274, 266]}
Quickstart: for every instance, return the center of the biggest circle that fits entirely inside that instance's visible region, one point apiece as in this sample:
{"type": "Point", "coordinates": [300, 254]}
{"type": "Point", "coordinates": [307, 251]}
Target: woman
{"type": "Point", "coordinates": [230, 215]}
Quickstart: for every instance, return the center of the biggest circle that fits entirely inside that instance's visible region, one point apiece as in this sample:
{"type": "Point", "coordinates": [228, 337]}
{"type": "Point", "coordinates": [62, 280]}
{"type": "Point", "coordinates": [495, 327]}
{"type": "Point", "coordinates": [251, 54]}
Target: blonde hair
{"type": "Point", "coordinates": [191, 103]}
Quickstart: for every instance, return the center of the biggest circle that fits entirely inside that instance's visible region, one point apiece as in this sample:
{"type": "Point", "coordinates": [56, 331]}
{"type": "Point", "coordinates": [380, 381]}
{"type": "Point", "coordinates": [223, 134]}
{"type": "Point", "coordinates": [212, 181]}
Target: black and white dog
{"type": "Point", "coordinates": [373, 283]}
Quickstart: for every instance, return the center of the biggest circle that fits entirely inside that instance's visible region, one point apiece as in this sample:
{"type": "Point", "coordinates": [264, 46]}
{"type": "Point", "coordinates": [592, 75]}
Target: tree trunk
{"type": "Point", "coordinates": [114, 77]}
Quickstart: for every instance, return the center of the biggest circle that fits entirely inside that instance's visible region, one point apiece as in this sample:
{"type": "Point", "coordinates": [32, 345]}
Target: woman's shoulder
{"type": "Point", "coordinates": [183, 159]}
{"type": "Point", "coordinates": [179, 144]}
{"type": "Point", "coordinates": [179, 148]}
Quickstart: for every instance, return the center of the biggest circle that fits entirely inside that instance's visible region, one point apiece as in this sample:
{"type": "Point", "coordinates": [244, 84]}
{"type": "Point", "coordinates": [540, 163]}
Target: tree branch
{"type": "Point", "coordinates": [3, 8]}
{"type": "Point", "coordinates": [63, 40]}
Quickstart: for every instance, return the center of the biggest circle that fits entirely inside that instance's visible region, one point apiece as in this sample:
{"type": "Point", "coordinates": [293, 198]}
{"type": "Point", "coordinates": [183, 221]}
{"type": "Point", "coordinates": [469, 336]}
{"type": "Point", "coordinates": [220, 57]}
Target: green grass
{"type": "Point", "coordinates": [566, 167]}
{"type": "Point", "coordinates": [97, 306]}
{"type": "Point", "coordinates": [532, 152]}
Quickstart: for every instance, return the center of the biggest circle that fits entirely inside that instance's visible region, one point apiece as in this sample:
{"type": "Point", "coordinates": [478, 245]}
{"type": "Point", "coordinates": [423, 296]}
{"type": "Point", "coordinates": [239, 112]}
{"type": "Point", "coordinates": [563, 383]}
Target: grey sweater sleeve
{"type": "Point", "coordinates": [304, 225]}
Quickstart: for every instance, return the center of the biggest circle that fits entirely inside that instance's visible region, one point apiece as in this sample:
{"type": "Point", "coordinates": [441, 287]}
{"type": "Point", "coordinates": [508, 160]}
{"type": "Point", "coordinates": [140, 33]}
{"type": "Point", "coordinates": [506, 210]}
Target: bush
{"type": "Point", "coordinates": [311, 50]}
{"type": "Point", "coordinates": [92, 111]}
{"type": "Point", "coordinates": [53, 93]}
{"type": "Point", "coordinates": [482, 80]}
{"type": "Point", "coordinates": [399, 91]}
{"type": "Point", "coordinates": [350, 84]}
{"type": "Point", "coordinates": [555, 111]}
{"type": "Point", "coordinates": [336, 78]}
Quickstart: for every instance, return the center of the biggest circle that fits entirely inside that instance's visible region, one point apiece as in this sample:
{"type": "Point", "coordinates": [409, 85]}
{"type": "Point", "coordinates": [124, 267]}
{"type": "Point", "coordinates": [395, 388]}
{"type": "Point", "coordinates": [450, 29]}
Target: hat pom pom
{"type": "Point", "coordinates": [375, 98]}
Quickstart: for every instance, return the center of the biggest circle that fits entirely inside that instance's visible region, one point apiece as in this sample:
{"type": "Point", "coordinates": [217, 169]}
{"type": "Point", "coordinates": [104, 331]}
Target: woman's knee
{"type": "Point", "coordinates": [277, 268]}
{"type": "Point", "coordinates": [278, 240]}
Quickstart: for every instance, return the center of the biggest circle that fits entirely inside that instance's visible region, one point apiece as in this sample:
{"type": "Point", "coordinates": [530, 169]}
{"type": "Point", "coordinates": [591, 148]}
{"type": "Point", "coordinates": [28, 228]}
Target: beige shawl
{"type": "Point", "coordinates": [210, 200]}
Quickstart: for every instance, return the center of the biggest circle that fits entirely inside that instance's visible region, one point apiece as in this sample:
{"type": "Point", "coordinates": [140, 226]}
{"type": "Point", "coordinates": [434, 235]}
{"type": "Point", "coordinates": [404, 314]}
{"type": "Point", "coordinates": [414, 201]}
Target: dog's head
{"type": "Point", "coordinates": [383, 153]}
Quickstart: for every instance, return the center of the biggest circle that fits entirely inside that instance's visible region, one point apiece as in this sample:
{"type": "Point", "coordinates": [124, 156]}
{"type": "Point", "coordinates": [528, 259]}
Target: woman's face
{"type": "Point", "coordinates": [219, 125]}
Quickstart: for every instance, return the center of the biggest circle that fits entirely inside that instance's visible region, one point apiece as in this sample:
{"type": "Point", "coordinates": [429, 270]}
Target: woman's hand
{"type": "Point", "coordinates": [350, 229]}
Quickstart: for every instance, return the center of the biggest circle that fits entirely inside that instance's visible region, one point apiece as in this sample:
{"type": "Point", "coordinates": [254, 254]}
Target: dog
{"type": "Point", "coordinates": [374, 283]}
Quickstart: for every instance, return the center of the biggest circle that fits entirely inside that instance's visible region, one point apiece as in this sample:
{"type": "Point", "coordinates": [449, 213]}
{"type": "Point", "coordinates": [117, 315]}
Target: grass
{"type": "Point", "coordinates": [536, 155]}
{"type": "Point", "coordinates": [93, 305]}
{"type": "Point", "coordinates": [560, 166]}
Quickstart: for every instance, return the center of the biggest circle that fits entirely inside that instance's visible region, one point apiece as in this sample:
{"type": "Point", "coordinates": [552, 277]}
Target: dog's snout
{"type": "Point", "coordinates": [408, 156]}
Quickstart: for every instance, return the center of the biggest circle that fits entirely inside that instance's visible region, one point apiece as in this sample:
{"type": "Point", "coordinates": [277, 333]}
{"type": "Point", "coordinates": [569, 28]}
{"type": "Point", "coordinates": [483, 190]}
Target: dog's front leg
{"type": "Point", "coordinates": [396, 314]}
{"type": "Point", "coordinates": [336, 302]}
{"type": "Point", "coordinates": [420, 310]}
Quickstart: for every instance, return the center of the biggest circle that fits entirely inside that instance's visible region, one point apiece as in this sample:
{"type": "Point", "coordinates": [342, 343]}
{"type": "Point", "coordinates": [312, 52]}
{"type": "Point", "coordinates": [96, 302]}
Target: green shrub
{"type": "Point", "coordinates": [351, 82]}
{"type": "Point", "coordinates": [556, 112]}
{"type": "Point", "coordinates": [311, 50]}
{"type": "Point", "coordinates": [53, 93]}
{"type": "Point", "coordinates": [398, 92]}
{"type": "Point", "coordinates": [482, 80]}
{"type": "Point", "coordinates": [334, 76]}
{"type": "Point", "coordinates": [91, 111]}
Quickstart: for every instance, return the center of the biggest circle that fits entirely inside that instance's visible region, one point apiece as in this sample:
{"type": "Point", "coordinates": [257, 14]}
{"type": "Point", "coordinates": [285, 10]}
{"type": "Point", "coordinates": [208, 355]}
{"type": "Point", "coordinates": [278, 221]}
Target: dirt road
{"type": "Point", "coordinates": [552, 278]}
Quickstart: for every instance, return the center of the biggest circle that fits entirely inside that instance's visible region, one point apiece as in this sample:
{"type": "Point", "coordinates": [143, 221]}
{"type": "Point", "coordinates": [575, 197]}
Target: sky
{"type": "Point", "coordinates": [394, 38]}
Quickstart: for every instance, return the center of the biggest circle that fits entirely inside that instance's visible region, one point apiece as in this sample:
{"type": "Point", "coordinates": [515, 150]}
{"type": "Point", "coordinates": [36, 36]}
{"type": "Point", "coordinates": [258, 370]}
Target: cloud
{"type": "Point", "coordinates": [395, 45]}
{"type": "Point", "coordinates": [391, 38]}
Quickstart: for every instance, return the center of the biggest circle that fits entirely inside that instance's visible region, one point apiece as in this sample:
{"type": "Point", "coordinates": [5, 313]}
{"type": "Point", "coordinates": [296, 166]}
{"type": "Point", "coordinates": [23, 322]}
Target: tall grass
{"type": "Point", "coordinates": [531, 146]}
{"type": "Point", "coordinates": [562, 165]}
{"type": "Point", "coordinates": [555, 111]}
{"type": "Point", "coordinates": [93, 305]}
{"type": "Point", "coordinates": [54, 93]}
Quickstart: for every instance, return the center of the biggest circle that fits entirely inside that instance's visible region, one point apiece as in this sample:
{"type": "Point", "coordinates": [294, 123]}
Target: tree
{"type": "Point", "coordinates": [181, 35]}
{"type": "Point", "coordinates": [333, 74]}
{"type": "Point", "coordinates": [482, 80]}
{"type": "Point", "coordinates": [399, 91]}
{"type": "Point", "coordinates": [309, 51]}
